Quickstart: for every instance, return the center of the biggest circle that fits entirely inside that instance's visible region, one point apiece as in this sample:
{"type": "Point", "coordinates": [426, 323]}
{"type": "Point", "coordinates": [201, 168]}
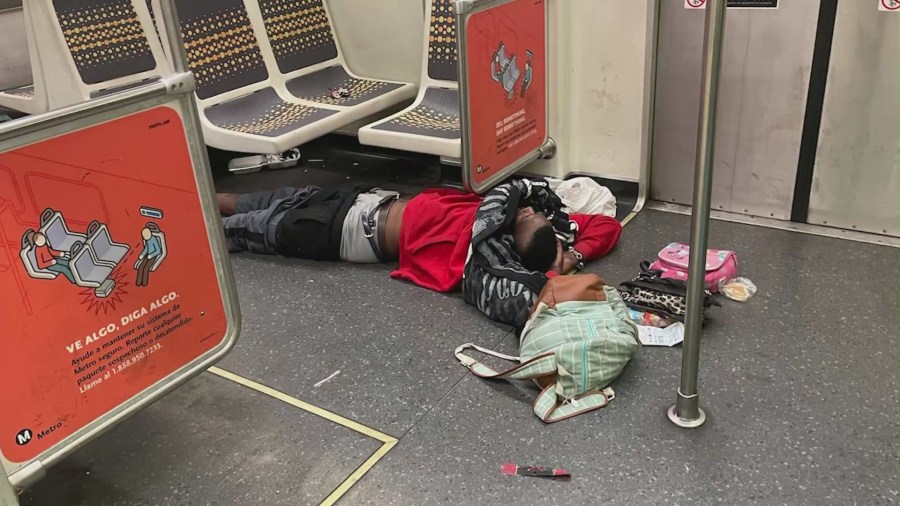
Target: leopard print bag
{"type": "Point", "coordinates": [650, 292]}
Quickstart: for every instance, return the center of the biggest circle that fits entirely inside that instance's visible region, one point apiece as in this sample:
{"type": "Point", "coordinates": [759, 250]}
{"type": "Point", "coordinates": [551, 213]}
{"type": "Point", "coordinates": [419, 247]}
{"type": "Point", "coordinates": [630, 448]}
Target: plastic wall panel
{"type": "Point", "coordinates": [15, 66]}
{"type": "Point", "coordinates": [381, 39]}
{"type": "Point", "coordinates": [856, 182]}
{"type": "Point", "coordinates": [598, 81]}
{"type": "Point", "coordinates": [606, 86]}
{"type": "Point", "coordinates": [762, 98]}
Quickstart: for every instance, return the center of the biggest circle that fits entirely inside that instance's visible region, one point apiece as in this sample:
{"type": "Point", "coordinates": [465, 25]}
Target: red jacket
{"type": "Point", "coordinates": [437, 230]}
{"type": "Point", "coordinates": [45, 255]}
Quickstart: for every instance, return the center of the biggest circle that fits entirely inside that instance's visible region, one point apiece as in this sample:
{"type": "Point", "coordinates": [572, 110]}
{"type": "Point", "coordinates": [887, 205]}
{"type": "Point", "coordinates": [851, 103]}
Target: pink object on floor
{"type": "Point", "coordinates": [721, 265]}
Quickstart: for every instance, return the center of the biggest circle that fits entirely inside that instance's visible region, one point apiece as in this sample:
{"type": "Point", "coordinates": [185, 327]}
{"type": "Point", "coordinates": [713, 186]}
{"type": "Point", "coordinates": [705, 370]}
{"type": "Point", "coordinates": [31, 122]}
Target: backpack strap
{"type": "Point", "coordinates": [549, 410]}
{"type": "Point", "coordinates": [546, 406]}
{"type": "Point", "coordinates": [540, 365]}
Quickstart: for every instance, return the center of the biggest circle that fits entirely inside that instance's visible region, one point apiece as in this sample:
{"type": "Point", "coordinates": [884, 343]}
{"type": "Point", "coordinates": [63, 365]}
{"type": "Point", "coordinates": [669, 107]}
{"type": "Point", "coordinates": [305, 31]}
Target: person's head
{"type": "Point", "coordinates": [146, 234]}
{"type": "Point", "coordinates": [535, 240]}
{"type": "Point", "coordinates": [39, 239]}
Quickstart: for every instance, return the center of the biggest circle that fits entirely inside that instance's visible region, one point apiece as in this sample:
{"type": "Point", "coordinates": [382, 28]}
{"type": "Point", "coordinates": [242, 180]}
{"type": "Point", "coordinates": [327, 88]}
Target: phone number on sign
{"type": "Point", "coordinates": [125, 364]}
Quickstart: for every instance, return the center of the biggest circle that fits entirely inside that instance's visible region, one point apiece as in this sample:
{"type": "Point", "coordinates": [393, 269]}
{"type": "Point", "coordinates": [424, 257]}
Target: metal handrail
{"type": "Point", "coordinates": [686, 412]}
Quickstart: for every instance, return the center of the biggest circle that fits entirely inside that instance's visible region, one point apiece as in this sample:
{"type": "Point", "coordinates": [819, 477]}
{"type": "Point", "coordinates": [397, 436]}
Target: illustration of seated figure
{"type": "Point", "coordinates": [528, 74]}
{"type": "Point", "coordinates": [151, 252]}
{"type": "Point", "coordinates": [49, 259]}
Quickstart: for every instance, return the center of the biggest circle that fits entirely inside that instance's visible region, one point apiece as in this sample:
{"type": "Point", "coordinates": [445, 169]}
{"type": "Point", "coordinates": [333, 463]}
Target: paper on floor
{"type": "Point", "coordinates": [654, 336]}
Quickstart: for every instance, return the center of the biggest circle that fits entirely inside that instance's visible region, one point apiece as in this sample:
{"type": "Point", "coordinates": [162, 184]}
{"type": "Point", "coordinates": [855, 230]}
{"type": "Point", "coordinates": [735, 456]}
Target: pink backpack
{"type": "Point", "coordinates": [721, 265]}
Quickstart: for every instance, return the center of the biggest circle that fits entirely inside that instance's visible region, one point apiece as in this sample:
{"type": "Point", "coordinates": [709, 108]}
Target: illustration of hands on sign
{"type": "Point", "coordinates": [152, 254]}
{"type": "Point", "coordinates": [85, 260]}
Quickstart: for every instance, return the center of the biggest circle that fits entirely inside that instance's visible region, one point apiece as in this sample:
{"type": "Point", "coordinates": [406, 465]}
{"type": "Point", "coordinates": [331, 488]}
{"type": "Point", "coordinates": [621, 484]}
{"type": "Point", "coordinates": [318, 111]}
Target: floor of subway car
{"type": "Point", "coordinates": [800, 384]}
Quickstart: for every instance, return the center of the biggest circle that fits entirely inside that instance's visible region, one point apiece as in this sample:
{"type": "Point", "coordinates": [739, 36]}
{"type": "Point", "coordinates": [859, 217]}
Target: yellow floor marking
{"type": "Point", "coordinates": [388, 441]}
{"type": "Point", "coordinates": [360, 471]}
{"type": "Point", "coordinates": [324, 413]}
{"type": "Point", "coordinates": [628, 218]}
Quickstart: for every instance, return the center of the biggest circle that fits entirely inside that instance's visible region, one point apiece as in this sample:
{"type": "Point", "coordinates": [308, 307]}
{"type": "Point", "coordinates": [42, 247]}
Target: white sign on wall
{"type": "Point", "coordinates": [889, 5]}
{"type": "Point", "coordinates": [746, 4]}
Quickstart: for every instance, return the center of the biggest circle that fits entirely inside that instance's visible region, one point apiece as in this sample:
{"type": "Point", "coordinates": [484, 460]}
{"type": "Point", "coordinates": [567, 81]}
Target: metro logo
{"type": "Point", "coordinates": [23, 437]}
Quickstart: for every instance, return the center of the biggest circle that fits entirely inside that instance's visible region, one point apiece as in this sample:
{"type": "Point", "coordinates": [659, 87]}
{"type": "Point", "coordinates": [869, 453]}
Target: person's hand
{"type": "Point", "coordinates": [559, 264]}
{"type": "Point", "coordinates": [569, 262]}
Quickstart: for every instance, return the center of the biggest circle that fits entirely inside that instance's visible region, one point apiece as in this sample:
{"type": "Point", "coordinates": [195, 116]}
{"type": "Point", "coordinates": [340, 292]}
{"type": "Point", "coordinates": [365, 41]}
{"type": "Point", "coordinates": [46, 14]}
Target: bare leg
{"type": "Point", "coordinates": [226, 202]}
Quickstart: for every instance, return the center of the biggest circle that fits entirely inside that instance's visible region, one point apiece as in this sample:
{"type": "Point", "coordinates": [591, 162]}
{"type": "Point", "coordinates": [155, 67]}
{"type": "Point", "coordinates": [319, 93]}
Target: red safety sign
{"type": "Point", "coordinates": [108, 278]}
{"type": "Point", "coordinates": [507, 92]}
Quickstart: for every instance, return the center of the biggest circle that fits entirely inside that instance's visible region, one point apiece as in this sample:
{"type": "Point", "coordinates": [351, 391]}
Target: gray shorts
{"type": "Point", "coordinates": [355, 246]}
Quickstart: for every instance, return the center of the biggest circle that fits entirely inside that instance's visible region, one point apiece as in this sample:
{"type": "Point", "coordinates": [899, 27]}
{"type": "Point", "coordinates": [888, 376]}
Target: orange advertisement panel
{"type": "Point", "coordinates": [506, 84]}
{"type": "Point", "coordinates": [107, 275]}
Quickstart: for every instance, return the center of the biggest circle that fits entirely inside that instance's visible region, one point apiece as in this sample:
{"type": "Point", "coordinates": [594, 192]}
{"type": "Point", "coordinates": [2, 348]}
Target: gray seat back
{"type": "Point", "coordinates": [501, 55]}
{"type": "Point", "coordinates": [105, 38]}
{"type": "Point", "coordinates": [299, 31]}
{"type": "Point", "coordinates": [443, 59]}
{"type": "Point", "coordinates": [56, 232]}
{"type": "Point", "coordinates": [103, 246]}
{"type": "Point", "coordinates": [221, 46]}
{"type": "Point", "coordinates": [85, 266]}
{"type": "Point", "coordinates": [511, 75]}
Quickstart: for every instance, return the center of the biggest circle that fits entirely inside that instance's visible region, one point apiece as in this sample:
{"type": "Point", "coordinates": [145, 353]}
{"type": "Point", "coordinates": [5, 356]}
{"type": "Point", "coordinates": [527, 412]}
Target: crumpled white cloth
{"type": "Point", "coordinates": [583, 195]}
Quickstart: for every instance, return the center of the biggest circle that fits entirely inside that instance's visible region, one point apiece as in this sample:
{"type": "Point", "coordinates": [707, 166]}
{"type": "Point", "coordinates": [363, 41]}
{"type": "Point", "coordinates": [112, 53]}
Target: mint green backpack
{"type": "Point", "coordinates": [572, 349]}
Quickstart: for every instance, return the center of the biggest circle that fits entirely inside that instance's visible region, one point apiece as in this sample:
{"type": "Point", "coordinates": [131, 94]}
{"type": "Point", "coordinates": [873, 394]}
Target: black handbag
{"type": "Point", "coordinates": [651, 292]}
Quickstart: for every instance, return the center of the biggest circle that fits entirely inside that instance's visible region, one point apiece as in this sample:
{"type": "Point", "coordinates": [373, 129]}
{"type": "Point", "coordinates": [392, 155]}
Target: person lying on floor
{"type": "Point", "coordinates": [507, 242]}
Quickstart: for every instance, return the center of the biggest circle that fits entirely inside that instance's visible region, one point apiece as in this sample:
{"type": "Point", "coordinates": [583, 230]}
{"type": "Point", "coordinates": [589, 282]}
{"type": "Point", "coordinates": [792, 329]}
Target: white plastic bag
{"type": "Point", "coordinates": [739, 289]}
{"type": "Point", "coordinates": [583, 195]}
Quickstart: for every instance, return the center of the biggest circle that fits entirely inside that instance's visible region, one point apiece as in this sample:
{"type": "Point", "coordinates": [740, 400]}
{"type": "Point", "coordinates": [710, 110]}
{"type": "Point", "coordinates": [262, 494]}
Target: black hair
{"type": "Point", "coordinates": [540, 252]}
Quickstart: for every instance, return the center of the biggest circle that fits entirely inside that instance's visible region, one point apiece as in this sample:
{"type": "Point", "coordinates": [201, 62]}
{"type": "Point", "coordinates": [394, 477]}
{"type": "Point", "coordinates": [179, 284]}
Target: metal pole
{"type": "Point", "coordinates": [686, 412]}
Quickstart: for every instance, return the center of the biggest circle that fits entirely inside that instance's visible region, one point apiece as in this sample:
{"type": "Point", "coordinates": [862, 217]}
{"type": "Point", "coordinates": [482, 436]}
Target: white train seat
{"type": "Point", "coordinates": [300, 39]}
{"type": "Point", "coordinates": [84, 49]}
{"type": "Point", "coordinates": [244, 106]}
{"type": "Point", "coordinates": [25, 99]}
{"type": "Point", "coordinates": [431, 124]}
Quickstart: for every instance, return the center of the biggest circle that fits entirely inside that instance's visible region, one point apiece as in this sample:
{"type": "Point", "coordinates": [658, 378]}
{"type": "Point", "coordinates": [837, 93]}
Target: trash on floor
{"type": "Point", "coordinates": [739, 289]}
{"type": "Point", "coordinates": [511, 469]}
{"type": "Point", "coordinates": [648, 319]}
{"type": "Point", "coordinates": [339, 92]}
{"type": "Point", "coordinates": [326, 380]}
{"type": "Point", "coordinates": [654, 336]}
